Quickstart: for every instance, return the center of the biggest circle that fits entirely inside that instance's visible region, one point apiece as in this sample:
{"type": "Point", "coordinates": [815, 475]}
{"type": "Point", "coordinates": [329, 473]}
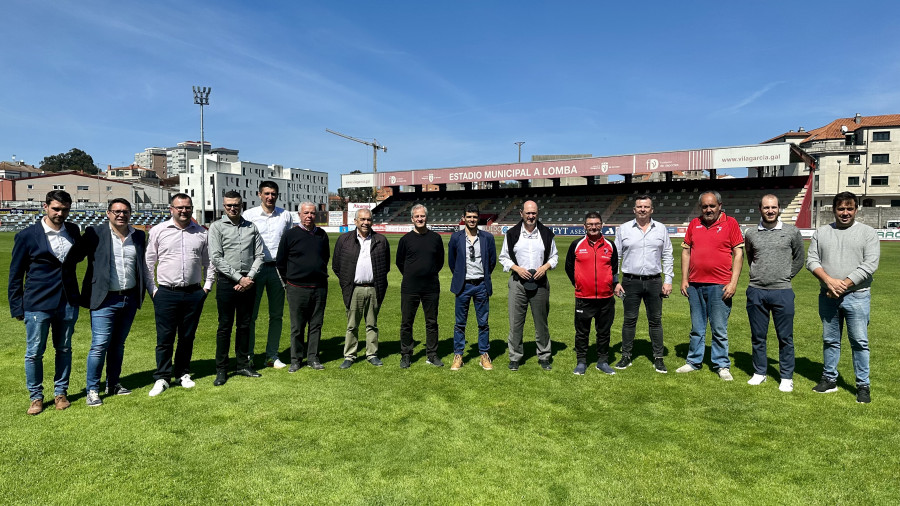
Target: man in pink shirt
{"type": "Point", "coordinates": [177, 251]}
{"type": "Point", "coordinates": [711, 257]}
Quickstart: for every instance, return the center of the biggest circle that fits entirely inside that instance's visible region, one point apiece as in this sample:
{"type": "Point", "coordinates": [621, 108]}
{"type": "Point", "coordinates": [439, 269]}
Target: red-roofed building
{"type": "Point", "coordinates": [860, 154]}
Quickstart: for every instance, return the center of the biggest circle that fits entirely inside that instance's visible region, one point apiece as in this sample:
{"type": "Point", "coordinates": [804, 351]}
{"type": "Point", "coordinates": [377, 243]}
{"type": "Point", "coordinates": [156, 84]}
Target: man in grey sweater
{"type": "Point", "coordinates": [844, 256]}
{"type": "Point", "coordinates": [775, 256]}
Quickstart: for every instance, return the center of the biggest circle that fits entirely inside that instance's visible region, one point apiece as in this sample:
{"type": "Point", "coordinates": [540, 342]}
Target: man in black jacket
{"type": "Point", "coordinates": [113, 289]}
{"type": "Point", "coordinates": [302, 262]}
{"type": "Point", "coordinates": [361, 261]}
{"type": "Point", "coordinates": [420, 257]}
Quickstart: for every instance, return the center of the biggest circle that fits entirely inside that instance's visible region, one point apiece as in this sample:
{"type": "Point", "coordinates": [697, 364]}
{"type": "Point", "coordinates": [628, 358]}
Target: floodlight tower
{"type": "Point", "coordinates": [201, 98]}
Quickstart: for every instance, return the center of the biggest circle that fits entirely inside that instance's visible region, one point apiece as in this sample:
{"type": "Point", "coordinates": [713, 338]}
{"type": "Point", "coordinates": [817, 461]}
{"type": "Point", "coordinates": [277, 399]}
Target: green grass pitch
{"type": "Point", "coordinates": [426, 435]}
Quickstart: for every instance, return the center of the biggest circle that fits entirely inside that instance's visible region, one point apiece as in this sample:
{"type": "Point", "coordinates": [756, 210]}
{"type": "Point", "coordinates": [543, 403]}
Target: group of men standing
{"type": "Point", "coordinates": [261, 251]}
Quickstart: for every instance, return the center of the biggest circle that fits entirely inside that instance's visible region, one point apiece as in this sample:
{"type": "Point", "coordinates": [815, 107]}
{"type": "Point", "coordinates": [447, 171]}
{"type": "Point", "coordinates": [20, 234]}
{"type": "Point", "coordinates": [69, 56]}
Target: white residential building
{"type": "Point", "coordinates": [860, 154]}
{"type": "Point", "coordinates": [294, 185]}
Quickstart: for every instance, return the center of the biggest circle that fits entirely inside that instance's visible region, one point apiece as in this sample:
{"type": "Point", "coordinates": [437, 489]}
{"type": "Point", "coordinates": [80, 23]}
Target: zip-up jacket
{"type": "Point", "coordinates": [592, 268]}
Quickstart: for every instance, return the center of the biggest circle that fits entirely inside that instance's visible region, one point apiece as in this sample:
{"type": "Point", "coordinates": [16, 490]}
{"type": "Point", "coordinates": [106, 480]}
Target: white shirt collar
{"type": "Point", "coordinates": [776, 227]}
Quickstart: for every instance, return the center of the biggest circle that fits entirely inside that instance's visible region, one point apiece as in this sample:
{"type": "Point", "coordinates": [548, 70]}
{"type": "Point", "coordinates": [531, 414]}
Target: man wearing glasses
{"type": "Point", "coordinates": [472, 256]}
{"type": "Point", "coordinates": [236, 252]}
{"type": "Point", "coordinates": [178, 251]}
{"type": "Point", "coordinates": [272, 222]}
{"type": "Point", "coordinates": [592, 266]}
{"type": "Point", "coordinates": [114, 284]}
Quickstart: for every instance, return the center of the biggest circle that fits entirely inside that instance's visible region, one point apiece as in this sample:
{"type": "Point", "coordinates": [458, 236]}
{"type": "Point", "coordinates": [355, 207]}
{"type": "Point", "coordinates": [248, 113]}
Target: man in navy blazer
{"type": "Point", "coordinates": [472, 256]}
{"type": "Point", "coordinates": [114, 285]}
{"type": "Point", "coordinates": [43, 291]}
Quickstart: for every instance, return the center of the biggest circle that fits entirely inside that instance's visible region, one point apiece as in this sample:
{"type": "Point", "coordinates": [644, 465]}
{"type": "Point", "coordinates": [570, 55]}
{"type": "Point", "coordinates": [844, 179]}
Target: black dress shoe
{"type": "Point", "coordinates": [221, 378]}
{"type": "Point", "coordinates": [250, 373]}
{"type": "Point", "coordinates": [315, 364]}
{"type": "Point", "coordinates": [346, 363]}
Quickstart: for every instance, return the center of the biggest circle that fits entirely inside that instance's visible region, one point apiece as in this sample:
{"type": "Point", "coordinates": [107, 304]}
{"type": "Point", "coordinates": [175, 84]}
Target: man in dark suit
{"type": "Point", "coordinates": [113, 289]}
{"type": "Point", "coordinates": [472, 256]}
{"type": "Point", "coordinates": [43, 291]}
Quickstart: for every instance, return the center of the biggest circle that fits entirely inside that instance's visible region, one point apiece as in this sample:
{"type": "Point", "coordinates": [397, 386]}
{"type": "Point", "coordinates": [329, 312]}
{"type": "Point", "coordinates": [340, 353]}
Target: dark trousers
{"type": "Point", "coordinates": [409, 305]}
{"type": "Point", "coordinates": [177, 313]}
{"type": "Point", "coordinates": [780, 303]}
{"type": "Point", "coordinates": [648, 291]}
{"type": "Point", "coordinates": [235, 309]}
{"type": "Point", "coordinates": [307, 307]}
{"type": "Point", "coordinates": [602, 312]}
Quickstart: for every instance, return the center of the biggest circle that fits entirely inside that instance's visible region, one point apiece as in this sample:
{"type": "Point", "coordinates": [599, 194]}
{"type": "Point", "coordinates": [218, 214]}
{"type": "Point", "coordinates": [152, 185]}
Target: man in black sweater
{"type": "Point", "coordinates": [420, 257]}
{"type": "Point", "coordinates": [302, 262]}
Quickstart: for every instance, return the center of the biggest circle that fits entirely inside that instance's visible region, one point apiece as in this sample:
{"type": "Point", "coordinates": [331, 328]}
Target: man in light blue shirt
{"type": "Point", "coordinates": [646, 252]}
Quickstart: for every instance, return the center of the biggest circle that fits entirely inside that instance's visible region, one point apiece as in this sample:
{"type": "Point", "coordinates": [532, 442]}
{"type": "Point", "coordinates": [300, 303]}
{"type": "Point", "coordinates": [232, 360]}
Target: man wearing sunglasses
{"type": "Point", "coordinates": [236, 252]}
{"type": "Point", "coordinates": [178, 251]}
{"type": "Point", "coordinates": [472, 256]}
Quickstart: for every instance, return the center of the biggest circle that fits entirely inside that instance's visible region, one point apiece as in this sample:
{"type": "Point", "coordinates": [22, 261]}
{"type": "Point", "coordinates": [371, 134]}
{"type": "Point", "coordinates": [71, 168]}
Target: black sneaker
{"type": "Point", "coordinates": [513, 365]}
{"type": "Point", "coordinates": [404, 362]}
{"type": "Point", "coordinates": [116, 389]}
{"type": "Point", "coordinates": [862, 394]}
{"type": "Point", "coordinates": [624, 362]}
{"type": "Point", "coordinates": [580, 368]}
{"type": "Point", "coordinates": [825, 386]}
{"type": "Point", "coordinates": [375, 361]}
{"type": "Point", "coordinates": [435, 361]}
{"type": "Point", "coordinates": [346, 363]}
{"type": "Point", "coordinates": [660, 365]}
{"type": "Point", "coordinates": [545, 365]}
{"type": "Point", "coordinates": [315, 365]}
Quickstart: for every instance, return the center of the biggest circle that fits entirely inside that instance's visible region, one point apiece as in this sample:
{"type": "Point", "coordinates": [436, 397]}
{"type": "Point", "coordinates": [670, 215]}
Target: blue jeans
{"type": "Point", "coordinates": [38, 325]}
{"type": "Point", "coordinates": [852, 308]}
{"type": "Point", "coordinates": [110, 324]}
{"type": "Point", "coordinates": [478, 294]}
{"type": "Point", "coordinates": [780, 303]}
{"type": "Point", "coordinates": [707, 305]}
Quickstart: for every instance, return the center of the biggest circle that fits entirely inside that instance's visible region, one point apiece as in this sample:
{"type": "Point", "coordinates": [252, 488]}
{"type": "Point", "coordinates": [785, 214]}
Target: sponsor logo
{"type": "Point", "coordinates": [393, 179]}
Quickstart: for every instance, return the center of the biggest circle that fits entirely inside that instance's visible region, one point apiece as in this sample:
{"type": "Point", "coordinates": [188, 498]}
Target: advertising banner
{"type": "Point", "coordinates": [335, 218]}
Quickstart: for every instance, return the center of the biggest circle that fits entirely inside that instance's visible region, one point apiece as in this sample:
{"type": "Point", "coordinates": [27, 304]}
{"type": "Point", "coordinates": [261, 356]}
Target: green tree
{"type": "Point", "coordinates": [75, 159]}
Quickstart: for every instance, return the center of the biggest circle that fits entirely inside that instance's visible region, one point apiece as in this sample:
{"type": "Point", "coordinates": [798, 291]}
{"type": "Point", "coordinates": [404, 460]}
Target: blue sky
{"type": "Point", "coordinates": [441, 84]}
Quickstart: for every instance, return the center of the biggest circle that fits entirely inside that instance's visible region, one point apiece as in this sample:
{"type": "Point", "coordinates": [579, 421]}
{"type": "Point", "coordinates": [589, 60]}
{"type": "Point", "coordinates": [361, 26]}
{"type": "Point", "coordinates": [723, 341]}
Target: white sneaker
{"type": "Point", "coordinates": [757, 379]}
{"type": "Point", "coordinates": [786, 385]}
{"type": "Point", "coordinates": [686, 368]}
{"type": "Point", "coordinates": [187, 382]}
{"type": "Point", "coordinates": [725, 374]}
{"type": "Point", "coordinates": [159, 387]}
{"type": "Point", "coordinates": [278, 364]}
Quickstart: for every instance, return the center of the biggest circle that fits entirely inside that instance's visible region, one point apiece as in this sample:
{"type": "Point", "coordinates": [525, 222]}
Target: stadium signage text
{"type": "Point", "coordinates": [688, 160]}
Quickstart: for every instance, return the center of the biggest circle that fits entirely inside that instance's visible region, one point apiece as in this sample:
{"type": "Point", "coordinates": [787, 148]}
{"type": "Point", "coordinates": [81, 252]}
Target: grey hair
{"type": "Point", "coordinates": [418, 206]}
{"type": "Point", "coordinates": [309, 204]}
{"type": "Point", "coordinates": [714, 193]}
{"type": "Point", "coordinates": [362, 210]}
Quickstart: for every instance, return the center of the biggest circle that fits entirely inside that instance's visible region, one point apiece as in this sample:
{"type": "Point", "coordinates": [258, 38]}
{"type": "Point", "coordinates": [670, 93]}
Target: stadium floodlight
{"type": "Point", "coordinates": [201, 98]}
{"type": "Point", "coordinates": [519, 143]}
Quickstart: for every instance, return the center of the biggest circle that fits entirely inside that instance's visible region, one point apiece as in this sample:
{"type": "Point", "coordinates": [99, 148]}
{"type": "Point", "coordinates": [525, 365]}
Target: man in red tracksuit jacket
{"type": "Point", "coordinates": [592, 267]}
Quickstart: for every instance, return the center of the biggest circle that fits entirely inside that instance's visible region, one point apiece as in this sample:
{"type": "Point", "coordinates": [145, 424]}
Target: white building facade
{"type": "Point", "coordinates": [294, 185]}
{"type": "Point", "coordinates": [860, 154]}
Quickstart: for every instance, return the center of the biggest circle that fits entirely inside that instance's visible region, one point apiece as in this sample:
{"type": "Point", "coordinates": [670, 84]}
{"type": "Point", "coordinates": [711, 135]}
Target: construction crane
{"type": "Point", "coordinates": [374, 144]}
{"type": "Point", "coordinates": [375, 148]}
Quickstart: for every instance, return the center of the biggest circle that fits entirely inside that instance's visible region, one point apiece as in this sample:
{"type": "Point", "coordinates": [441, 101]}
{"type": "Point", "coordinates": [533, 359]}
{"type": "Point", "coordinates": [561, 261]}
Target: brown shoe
{"type": "Point", "coordinates": [457, 362]}
{"type": "Point", "coordinates": [62, 402]}
{"type": "Point", "coordinates": [36, 407]}
{"type": "Point", "coordinates": [486, 362]}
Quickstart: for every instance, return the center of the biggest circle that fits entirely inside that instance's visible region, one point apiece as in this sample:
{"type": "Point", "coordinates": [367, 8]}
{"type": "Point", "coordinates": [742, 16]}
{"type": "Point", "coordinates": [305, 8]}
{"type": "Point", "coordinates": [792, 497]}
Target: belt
{"type": "Point", "coordinates": [364, 285]}
{"type": "Point", "coordinates": [129, 291]}
{"type": "Point", "coordinates": [642, 278]}
{"type": "Point", "coordinates": [475, 281]}
{"type": "Point", "coordinates": [187, 288]}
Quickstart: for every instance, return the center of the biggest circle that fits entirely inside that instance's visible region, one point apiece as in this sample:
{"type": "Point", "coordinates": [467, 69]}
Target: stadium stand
{"type": "Point", "coordinates": [675, 202]}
